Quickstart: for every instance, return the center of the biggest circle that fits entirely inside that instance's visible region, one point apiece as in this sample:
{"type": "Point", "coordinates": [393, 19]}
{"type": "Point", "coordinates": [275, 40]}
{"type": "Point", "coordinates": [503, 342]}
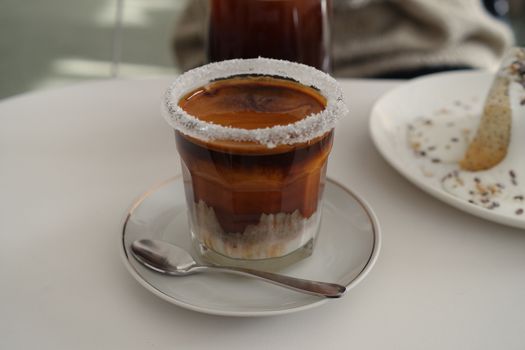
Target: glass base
{"type": "Point", "coordinates": [271, 264]}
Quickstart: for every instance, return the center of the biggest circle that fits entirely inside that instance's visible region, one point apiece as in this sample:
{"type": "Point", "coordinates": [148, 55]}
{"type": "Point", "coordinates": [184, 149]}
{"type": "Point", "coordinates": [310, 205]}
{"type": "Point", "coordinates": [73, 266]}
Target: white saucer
{"type": "Point", "coordinates": [394, 111]}
{"type": "Point", "coordinates": [346, 250]}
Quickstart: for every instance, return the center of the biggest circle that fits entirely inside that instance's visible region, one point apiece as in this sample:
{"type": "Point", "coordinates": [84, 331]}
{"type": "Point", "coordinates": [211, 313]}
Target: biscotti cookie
{"type": "Point", "coordinates": [491, 142]}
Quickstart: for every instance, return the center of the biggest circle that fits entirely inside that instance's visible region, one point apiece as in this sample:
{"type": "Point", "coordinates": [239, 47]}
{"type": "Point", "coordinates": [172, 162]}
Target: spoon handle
{"type": "Point", "coordinates": [329, 290]}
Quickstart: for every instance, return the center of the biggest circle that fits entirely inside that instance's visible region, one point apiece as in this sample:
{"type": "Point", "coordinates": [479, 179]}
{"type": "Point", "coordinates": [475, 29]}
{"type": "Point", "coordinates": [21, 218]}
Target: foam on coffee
{"type": "Point", "coordinates": [252, 102]}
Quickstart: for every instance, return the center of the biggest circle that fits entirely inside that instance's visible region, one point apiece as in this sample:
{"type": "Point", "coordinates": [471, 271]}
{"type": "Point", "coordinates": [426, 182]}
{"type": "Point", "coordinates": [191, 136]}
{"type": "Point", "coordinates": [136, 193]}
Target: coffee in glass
{"type": "Point", "coordinates": [293, 30]}
{"type": "Point", "coordinates": [254, 138]}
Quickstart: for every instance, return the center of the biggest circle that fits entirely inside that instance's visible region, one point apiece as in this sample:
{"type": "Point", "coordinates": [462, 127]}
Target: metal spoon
{"type": "Point", "coordinates": [169, 259]}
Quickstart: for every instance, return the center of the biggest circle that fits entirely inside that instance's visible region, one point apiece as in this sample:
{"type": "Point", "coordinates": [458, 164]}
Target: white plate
{"type": "Point", "coordinates": [346, 250]}
{"type": "Point", "coordinates": [398, 108]}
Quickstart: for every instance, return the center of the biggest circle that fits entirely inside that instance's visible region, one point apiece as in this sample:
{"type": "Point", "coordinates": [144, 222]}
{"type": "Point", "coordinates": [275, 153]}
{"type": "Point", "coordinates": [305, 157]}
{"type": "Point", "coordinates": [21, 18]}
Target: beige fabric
{"type": "Point", "coordinates": [373, 37]}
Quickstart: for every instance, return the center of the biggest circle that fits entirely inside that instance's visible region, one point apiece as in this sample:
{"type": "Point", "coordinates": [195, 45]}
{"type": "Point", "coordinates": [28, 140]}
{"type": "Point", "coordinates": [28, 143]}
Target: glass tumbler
{"type": "Point", "coordinates": [254, 136]}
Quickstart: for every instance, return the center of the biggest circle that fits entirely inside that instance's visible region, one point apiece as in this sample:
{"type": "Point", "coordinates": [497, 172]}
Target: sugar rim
{"type": "Point", "coordinates": [306, 129]}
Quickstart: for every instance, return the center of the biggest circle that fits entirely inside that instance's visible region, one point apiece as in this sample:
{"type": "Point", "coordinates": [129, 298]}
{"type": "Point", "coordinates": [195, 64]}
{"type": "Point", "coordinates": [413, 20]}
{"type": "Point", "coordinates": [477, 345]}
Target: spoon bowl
{"type": "Point", "coordinates": [163, 257]}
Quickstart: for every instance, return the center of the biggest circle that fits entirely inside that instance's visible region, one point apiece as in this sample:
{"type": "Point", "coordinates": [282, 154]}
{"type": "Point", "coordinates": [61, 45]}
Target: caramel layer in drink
{"type": "Point", "coordinates": [242, 181]}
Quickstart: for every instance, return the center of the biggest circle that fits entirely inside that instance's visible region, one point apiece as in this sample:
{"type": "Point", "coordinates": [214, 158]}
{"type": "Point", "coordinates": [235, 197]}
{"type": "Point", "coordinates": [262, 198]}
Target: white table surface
{"type": "Point", "coordinates": [72, 161]}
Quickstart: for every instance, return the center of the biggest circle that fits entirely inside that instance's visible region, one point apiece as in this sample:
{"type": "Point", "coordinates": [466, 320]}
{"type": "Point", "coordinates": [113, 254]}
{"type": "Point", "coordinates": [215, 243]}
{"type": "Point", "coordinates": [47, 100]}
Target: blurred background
{"type": "Point", "coordinates": [58, 42]}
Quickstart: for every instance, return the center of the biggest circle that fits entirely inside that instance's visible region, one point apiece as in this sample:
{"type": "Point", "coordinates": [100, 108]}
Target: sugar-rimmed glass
{"type": "Point", "coordinates": [231, 184]}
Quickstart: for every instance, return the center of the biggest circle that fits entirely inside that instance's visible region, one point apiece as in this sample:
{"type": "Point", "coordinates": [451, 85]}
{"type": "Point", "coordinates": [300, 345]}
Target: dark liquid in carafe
{"type": "Point", "coordinates": [243, 180]}
{"type": "Point", "coordinates": [293, 30]}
